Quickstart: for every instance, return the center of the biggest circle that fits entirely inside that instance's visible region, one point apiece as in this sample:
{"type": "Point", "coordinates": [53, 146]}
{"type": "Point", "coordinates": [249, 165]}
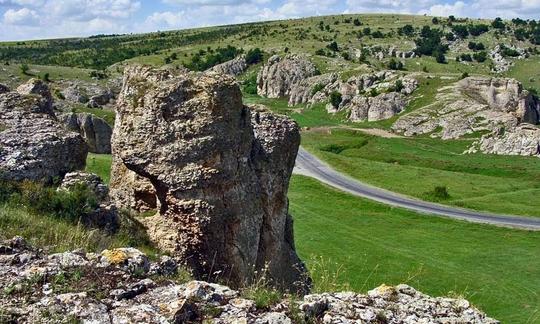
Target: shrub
{"type": "Point", "coordinates": [377, 34]}
{"type": "Point", "coordinates": [439, 193]}
{"type": "Point", "coordinates": [465, 57]}
{"type": "Point", "coordinates": [41, 199]}
{"type": "Point", "coordinates": [24, 68]}
{"type": "Point", "coordinates": [498, 23]}
{"type": "Point", "coordinates": [335, 99]}
{"type": "Point", "coordinates": [250, 85]}
{"type": "Point", "coordinates": [357, 22]}
{"type": "Point", "coordinates": [318, 87]}
{"type": "Point", "coordinates": [435, 21]}
{"type": "Point", "coordinates": [395, 65]}
{"type": "Point", "coordinates": [333, 46]}
{"type": "Point", "coordinates": [460, 30]}
{"type": "Point", "coordinates": [480, 56]}
{"type": "Point", "coordinates": [464, 75]}
{"type": "Point", "coordinates": [477, 30]}
{"type": "Point", "coordinates": [439, 57]}
{"type": "Point", "coordinates": [398, 86]}
{"type": "Point", "coordinates": [407, 30]}
{"type": "Point", "coordinates": [255, 55]}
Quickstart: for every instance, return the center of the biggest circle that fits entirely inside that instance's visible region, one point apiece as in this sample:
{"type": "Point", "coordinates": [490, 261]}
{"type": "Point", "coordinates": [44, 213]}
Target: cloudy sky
{"type": "Point", "coordinates": [32, 19]}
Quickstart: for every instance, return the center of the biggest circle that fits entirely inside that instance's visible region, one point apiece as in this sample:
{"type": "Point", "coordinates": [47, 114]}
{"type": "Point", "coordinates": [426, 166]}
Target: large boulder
{"type": "Point", "coordinates": [95, 131]}
{"type": "Point", "coordinates": [33, 144]}
{"type": "Point", "coordinates": [279, 75]}
{"type": "Point", "coordinates": [381, 107]}
{"type": "Point", "coordinates": [233, 67]}
{"type": "Point", "coordinates": [220, 172]}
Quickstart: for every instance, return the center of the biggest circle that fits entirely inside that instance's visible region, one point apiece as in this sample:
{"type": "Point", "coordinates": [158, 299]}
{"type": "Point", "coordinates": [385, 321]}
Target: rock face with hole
{"type": "Point", "coordinates": [33, 144]}
{"type": "Point", "coordinates": [219, 170]}
{"type": "Point", "coordinates": [279, 75]}
{"type": "Point", "coordinates": [95, 131]}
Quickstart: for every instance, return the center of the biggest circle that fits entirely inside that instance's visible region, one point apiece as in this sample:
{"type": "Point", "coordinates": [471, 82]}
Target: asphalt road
{"type": "Point", "coordinates": [309, 165]}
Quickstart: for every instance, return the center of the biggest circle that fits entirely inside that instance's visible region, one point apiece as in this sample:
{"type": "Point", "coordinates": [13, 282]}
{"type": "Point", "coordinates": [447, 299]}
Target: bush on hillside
{"type": "Point", "coordinates": [335, 99]}
{"type": "Point", "coordinates": [254, 56]}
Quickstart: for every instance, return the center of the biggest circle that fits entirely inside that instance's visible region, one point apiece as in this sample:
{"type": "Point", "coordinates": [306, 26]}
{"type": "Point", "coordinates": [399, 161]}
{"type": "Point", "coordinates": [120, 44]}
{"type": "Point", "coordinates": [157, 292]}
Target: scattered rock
{"type": "Point", "coordinates": [279, 75]}
{"type": "Point", "coordinates": [33, 143]}
{"type": "Point", "coordinates": [502, 64]}
{"type": "Point", "coordinates": [125, 296]}
{"type": "Point", "coordinates": [95, 131]}
{"type": "Point", "coordinates": [233, 67]}
{"type": "Point", "coordinates": [214, 164]}
{"type": "Point", "coordinates": [521, 140]}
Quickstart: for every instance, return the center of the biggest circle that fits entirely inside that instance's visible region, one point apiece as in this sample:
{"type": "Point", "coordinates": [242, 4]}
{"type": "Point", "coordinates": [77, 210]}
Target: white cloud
{"type": "Point", "coordinates": [22, 16]}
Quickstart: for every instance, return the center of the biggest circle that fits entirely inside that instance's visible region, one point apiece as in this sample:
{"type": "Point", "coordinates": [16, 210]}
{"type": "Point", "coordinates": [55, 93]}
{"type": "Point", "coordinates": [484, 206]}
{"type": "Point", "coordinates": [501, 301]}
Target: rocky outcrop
{"type": "Point", "coordinates": [381, 107]}
{"type": "Point", "coordinates": [91, 94]}
{"type": "Point", "coordinates": [500, 63]}
{"type": "Point", "coordinates": [279, 75]}
{"type": "Point", "coordinates": [356, 94]}
{"type": "Point", "coordinates": [521, 140]}
{"type": "Point", "coordinates": [104, 215]}
{"type": "Point", "coordinates": [39, 88]}
{"type": "Point", "coordinates": [95, 131]}
{"type": "Point", "coordinates": [134, 289]}
{"type": "Point", "coordinates": [220, 172]}
{"type": "Point", "coordinates": [472, 105]}
{"type": "Point", "coordinates": [233, 67]}
{"type": "Point", "coordinates": [33, 144]}
{"type": "Point", "coordinates": [307, 89]}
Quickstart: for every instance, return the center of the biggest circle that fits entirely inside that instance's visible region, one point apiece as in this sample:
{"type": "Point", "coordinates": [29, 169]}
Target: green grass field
{"type": "Point", "coordinates": [415, 166]}
{"type": "Point", "coordinates": [368, 244]}
{"type": "Point", "coordinates": [357, 244]}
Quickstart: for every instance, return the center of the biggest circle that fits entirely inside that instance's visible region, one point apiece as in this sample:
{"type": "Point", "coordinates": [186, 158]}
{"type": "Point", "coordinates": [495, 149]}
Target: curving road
{"type": "Point", "coordinates": [308, 165]}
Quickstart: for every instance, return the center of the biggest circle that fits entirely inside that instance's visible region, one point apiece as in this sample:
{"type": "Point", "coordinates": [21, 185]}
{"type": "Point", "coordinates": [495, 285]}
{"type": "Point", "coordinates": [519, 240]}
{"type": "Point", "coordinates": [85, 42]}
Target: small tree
{"type": "Point", "coordinates": [333, 46]}
{"type": "Point", "coordinates": [24, 68]}
{"type": "Point", "coordinates": [255, 55]}
{"type": "Point", "coordinates": [439, 57]}
{"type": "Point", "coordinates": [335, 99]}
{"type": "Point", "coordinates": [357, 22]}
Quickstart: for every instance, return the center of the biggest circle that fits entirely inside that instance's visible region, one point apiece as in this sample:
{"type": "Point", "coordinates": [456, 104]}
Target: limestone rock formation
{"type": "Point", "coordinates": [305, 90]}
{"type": "Point", "coordinates": [355, 93]}
{"type": "Point", "coordinates": [33, 144]}
{"type": "Point", "coordinates": [37, 87]}
{"type": "Point", "coordinates": [233, 67]}
{"type": "Point", "coordinates": [472, 105]}
{"type": "Point", "coordinates": [93, 95]}
{"type": "Point", "coordinates": [381, 107]}
{"type": "Point", "coordinates": [95, 131]}
{"type": "Point", "coordinates": [279, 75]}
{"type": "Point", "coordinates": [220, 172]}
{"type": "Point", "coordinates": [129, 295]}
{"type": "Point", "coordinates": [521, 140]}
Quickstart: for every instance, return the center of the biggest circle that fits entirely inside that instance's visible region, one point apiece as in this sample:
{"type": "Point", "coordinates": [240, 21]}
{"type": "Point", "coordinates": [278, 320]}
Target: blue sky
{"type": "Point", "coordinates": [32, 19]}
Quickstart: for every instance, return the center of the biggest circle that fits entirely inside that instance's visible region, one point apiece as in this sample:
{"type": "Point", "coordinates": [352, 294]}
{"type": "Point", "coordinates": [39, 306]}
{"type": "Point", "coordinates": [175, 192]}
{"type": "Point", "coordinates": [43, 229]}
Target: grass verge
{"type": "Point", "coordinates": [365, 244]}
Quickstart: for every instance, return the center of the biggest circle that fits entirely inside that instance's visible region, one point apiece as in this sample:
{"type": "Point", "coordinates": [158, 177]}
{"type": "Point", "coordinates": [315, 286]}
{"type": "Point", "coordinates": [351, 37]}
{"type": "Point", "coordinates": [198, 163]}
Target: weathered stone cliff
{"type": "Point", "coordinates": [279, 75]}
{"type": "Point", "coordinates": [95, 131]}
{"type": "Point", "coordinates": [220, 172]}
{"type": "Point", "coordinates": [33, 144]}
{"type": "Point", "coordinates": [472, 105]}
